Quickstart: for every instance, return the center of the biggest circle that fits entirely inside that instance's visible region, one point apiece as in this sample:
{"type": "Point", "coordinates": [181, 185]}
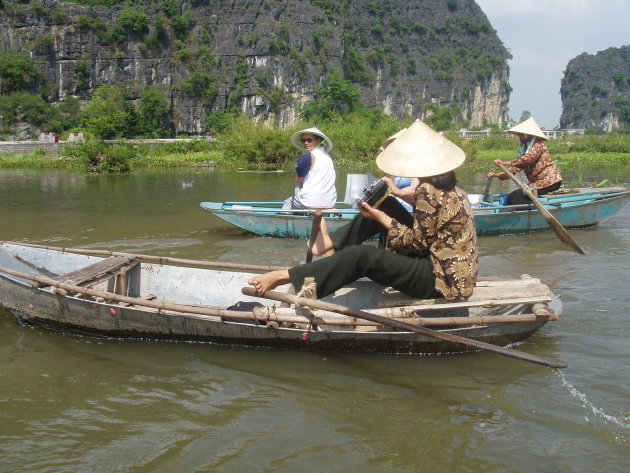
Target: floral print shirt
{"type": "Point", "coordinates": [443, 230]}
{"type": "Point", "coordinates": [538, 167]}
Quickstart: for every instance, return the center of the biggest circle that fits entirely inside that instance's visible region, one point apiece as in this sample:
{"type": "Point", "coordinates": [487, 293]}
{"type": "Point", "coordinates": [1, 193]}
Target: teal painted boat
{"type": "Point", "coordinates": [576, 208]}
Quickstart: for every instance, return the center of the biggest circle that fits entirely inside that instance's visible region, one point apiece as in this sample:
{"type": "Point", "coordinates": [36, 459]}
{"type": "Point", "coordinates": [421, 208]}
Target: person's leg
{"type": "Point", "coordinates": [551, 188]}
{"type": "Point", "coordinates": [413, 276]}
{"type": "Point", "coordinates": [517, 197]}
{"type": "Point", "coordinates": [396, 210]}
{"type": "Point", "coordinates": [354, 232]}
{"type": "Point", "coordinates": [323, 243]}
{"type": "Point", "coordinates": [287, 204]}
{"type": "Point", "coordinates": [359, 229]}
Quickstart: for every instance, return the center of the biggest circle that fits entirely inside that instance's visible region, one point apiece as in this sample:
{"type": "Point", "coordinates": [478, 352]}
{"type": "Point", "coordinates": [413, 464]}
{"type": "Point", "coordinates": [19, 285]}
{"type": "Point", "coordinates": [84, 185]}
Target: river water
{"type": "Point", "coordinates": [76, 404]}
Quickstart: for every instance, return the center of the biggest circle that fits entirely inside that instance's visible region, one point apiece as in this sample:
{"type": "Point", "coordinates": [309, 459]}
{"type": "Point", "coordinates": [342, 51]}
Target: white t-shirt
{"type": "Point", "coordinates": [318, 189]}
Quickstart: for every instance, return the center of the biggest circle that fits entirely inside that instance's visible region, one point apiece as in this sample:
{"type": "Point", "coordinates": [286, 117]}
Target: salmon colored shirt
{"type": "Point", "coordinates": [538, 167]}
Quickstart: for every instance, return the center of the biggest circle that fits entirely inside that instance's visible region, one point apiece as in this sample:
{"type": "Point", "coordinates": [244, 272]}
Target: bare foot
{"type": "Point", "coordinates": [270, 280]}
{"type": "Point", "coordinates": [323, 242]}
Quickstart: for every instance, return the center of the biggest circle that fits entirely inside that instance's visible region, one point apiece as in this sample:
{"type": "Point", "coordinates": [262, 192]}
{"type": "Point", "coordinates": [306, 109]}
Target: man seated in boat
{"type": "Point", "coordinates": [433, 255]}
{"type": "Point", "coordinates": [315, 172]}
{"type": "Point", "coordinates": [533, 159]}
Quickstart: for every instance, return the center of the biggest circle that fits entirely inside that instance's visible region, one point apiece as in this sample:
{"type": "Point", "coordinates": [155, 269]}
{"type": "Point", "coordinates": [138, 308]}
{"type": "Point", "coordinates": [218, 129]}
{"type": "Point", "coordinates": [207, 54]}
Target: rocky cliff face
{"type": "Point", "coordinates": [595, 90]}
{"type": "Point", "coordinates": [267, 57]}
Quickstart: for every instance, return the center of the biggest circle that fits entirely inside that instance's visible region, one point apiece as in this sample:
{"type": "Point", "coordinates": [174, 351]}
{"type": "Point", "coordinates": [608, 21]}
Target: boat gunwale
{"type": "Point", "coordinates": [553, 204]}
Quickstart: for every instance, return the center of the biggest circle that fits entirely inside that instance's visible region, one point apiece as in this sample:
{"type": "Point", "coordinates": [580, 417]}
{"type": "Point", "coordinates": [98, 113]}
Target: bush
{"type": "Point", "coordinates": [133, 20]}
{"type": "Point", "coordinates": [181, 147]}
{"type": "Point", "coordinates": [99, 157]}
{"type": "Point", "coordinates": [256, 144]}
{"type": "Point", "coordinates": [218, 121]}
{"type": "Point", "coordinates": [31, 109]}
{"type": "Point", "coordinates": [17, 72]}
{"type": "Point", "coordinates": [356, 138]}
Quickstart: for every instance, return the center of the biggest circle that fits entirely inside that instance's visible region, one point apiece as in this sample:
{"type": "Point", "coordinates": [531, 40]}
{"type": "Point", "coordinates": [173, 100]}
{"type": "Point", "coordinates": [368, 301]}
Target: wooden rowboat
{"type": "Point", "coordinates": [576, 209]}
{"type": "Point", "coordinates": [118, 295]}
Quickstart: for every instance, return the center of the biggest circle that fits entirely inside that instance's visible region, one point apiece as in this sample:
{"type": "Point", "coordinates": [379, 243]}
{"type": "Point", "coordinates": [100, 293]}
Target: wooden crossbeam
{"type": "Point", "coordinates": [100, 271]}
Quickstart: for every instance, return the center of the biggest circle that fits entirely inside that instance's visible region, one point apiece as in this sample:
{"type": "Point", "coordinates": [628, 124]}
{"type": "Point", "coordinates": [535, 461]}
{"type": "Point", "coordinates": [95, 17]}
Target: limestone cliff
{"type": "Point", "coordinates": [266, 57]}
{"type": "Point", "coordinates": [595, 90]}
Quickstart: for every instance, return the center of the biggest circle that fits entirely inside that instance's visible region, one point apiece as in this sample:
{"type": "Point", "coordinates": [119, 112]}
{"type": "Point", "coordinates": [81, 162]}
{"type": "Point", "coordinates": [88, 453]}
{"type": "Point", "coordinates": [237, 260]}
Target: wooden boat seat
{"type": "Point", "coordinates": [487, 292]}
{"type": "Point", "coordinates": [98, 272]}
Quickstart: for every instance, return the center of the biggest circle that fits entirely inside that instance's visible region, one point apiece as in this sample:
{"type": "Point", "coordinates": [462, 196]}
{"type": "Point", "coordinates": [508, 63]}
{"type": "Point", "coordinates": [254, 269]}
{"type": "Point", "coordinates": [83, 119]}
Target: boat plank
{"type": "Point", "coordinates": [98, 272]}
{"type": "Point", "coordinates": [499, 292]}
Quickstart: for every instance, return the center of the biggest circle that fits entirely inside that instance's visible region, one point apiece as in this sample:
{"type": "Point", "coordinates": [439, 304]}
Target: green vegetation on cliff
{"type": "Point", "coordinates": [260, 57]}
{"type": "Point", "coordinates": [595, 90]}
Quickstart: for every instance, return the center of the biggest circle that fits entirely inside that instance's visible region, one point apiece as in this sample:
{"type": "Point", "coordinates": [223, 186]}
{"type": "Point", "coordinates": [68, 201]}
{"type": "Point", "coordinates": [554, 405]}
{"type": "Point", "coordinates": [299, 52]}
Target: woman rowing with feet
{"type": "Point", "coordinates": [431, 254]}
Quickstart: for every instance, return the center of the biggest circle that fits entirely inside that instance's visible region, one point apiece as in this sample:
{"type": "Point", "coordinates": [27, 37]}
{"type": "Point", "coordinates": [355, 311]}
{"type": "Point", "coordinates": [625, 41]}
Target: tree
{"type": "Point", "coordinates": [107, 115]}
{"type": "Point", "coordinates": [133, 20]}
{"type": "Point", "coordinates": [17, 72]}
{"type": "Point", "coordinates": [525, 115]}
{"type": "Point", "coordinates": [153, 112]}
{"type": "Point", "coordinates": [440, 118]}
{"type": "Point", "coordinates": [335, 96]}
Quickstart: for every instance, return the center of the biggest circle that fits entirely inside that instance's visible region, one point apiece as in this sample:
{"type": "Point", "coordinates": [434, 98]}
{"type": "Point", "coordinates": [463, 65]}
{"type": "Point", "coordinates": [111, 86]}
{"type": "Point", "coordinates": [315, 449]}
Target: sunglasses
{"type": "Point", "coordinates": [306, 140]}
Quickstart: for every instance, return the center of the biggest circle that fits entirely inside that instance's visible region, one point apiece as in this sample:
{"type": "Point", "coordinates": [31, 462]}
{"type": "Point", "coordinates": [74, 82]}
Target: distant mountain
{"type": "Point", "coordinates": [266, 57]}
{"type": "Point", "coordinates": [595, 90]}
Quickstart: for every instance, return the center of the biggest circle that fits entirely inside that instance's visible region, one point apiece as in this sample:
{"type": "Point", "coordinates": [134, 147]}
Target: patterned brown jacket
{"type": "Point", "coordinates": [538, 167]}
{"type": "Point", "coordinates": [444, 231]}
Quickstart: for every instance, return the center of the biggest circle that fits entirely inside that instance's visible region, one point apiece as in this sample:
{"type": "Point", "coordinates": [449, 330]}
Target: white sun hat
{"type": "Point", "coordinates": [326, 143]}
{"type": "Point", "coordinates": [420, 152]}
{"type": "Point", "coordinates": [528, 127]}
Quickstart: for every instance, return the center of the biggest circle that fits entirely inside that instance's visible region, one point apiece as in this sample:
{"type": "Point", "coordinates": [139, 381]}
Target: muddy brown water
{"type": "Point", "coordinates": [70, 403]}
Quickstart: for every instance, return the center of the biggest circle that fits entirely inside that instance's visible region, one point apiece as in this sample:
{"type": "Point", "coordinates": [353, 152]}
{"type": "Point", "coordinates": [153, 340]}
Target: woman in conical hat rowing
{"type": "Point", "coordinates": [433, 254]}
{"type": "Point", "coordinates": [315, 172]}
{"type": "Point", "coordinates": [533, 159]}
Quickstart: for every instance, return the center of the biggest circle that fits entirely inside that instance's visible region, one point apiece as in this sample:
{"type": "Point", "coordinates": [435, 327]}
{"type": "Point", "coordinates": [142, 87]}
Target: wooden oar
{"type": "Point", "coordinates": [317, 221]}
{"type": "Point", "coordinates": [486, 190]}
{"type": "Point", "coordinates": [359, 314]}
{"type": "Point", "coordinates": [556, 226]}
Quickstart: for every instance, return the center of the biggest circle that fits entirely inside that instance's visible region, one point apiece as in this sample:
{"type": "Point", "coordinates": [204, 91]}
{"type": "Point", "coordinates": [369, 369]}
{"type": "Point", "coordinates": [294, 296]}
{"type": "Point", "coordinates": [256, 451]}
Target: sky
{"type": "Point", "coordinates": [543, 36]}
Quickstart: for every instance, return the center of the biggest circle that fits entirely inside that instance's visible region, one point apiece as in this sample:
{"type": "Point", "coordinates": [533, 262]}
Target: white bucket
{"type": "Point", "coordinates": [355, 183]}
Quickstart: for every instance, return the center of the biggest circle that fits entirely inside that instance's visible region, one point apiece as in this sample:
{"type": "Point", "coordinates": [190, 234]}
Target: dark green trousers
{"type": "Point", "coordinates": [352, 260]}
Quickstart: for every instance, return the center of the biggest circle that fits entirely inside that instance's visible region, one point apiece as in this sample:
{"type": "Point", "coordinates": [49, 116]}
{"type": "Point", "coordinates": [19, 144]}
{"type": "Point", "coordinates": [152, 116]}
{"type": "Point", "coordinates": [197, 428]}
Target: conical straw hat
{"type": "Point", "coordinates": [528, 127]}
{"type": "Point", "coordinates": [420, 152]}
{"type": "Point", "coordinates": [326, 143]}
{"type": "Point", "coordinates": [389, 140]}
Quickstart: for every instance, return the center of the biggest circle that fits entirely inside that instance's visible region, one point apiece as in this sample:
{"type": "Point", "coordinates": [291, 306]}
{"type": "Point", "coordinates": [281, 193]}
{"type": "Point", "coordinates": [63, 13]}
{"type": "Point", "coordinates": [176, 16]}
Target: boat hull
{"type": "Point", "coordinates": [194, 287]}
{"type": "Point", "coordinates": [586, 210]}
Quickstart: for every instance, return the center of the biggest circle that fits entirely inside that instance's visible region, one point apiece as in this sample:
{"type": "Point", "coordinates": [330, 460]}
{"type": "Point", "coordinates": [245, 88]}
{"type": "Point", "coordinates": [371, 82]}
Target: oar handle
{"type": "Point", "coordinates": [486, 189]}
{"type": "Point", "coordinates": [556, 226]}
{"type": "Point", "coordinates": [317, 304]}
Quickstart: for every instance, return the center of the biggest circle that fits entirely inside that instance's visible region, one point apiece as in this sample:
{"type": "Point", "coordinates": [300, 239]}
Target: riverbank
{"type": "Point", "coordinates": [233, 153]}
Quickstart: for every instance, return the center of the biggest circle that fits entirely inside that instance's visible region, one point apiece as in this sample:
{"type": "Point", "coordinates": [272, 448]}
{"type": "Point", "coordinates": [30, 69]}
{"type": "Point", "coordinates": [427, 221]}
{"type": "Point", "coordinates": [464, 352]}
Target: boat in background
{"type": "Point", "coordinates": [574, 208]}
{"type": "Point", "coordinates": [125, 296]}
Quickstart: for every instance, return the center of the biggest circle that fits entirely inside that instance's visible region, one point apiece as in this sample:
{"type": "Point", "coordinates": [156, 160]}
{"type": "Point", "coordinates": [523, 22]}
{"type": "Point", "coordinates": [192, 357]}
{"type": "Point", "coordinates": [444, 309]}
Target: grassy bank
{"type": "Point", "coordinates": [247, 145]}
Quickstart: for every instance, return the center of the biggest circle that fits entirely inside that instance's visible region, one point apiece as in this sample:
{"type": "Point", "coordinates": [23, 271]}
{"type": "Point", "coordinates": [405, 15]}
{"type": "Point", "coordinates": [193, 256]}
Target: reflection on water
{"type": "Point", "coordinates": [70, 403]}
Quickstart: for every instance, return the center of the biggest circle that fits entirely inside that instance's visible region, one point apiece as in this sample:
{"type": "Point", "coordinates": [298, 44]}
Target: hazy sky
{"type": "Point", "coordinates": [543, 36]}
